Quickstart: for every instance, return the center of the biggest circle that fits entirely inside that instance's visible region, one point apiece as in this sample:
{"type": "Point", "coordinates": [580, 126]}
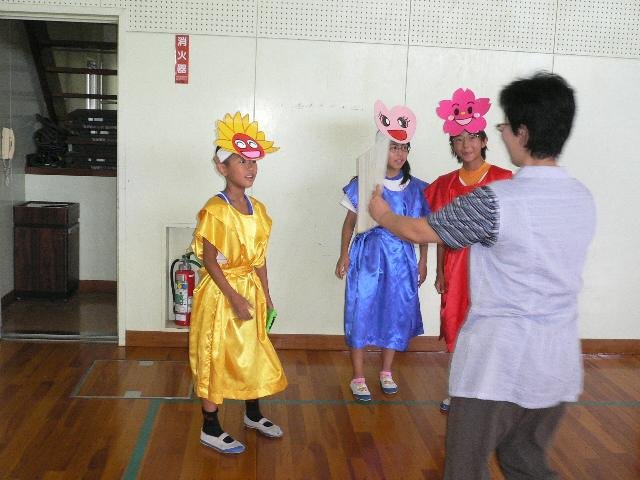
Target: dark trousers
{"type": "Point", "coordinates": [520, 436]}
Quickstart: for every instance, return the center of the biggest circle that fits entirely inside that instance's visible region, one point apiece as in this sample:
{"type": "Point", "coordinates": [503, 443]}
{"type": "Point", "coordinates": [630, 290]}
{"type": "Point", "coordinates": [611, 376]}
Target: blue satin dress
{"type": "Point", "coordinates": [381, 298]}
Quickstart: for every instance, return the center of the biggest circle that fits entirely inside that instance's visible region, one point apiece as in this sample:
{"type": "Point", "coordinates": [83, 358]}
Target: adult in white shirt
{"type": "Point", "coordinates": [517, 359]}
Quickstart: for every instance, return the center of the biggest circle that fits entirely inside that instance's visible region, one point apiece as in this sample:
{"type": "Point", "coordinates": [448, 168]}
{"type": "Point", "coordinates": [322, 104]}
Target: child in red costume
{"type": "Point", "coordinates": [468, 142]}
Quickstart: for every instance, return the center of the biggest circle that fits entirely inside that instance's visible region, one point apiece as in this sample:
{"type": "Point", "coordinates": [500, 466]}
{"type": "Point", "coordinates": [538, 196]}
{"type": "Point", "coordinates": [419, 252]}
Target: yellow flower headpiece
{"type": "Point", "coordinates": [238, 135]}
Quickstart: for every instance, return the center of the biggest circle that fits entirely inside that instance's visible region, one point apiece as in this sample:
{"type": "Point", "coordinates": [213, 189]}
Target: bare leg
{"type": "Point", "coordinates": [446, 402]}
{"type": "Point", "coordinates": [387, 359]}
{"type": "Point", "coordinates": [209, 406]}
{"type": "Point", "coordinates": [358, 385]}
{"type": "Point", "coordinates": [387, 384]}
{"type": "Point", "coordinates": [357, 362]}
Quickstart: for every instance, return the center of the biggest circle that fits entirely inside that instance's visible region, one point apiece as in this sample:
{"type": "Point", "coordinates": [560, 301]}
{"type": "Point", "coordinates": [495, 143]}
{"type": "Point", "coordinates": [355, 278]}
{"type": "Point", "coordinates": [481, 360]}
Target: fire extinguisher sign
{"type": "Point", "coordinates": [182, 59]}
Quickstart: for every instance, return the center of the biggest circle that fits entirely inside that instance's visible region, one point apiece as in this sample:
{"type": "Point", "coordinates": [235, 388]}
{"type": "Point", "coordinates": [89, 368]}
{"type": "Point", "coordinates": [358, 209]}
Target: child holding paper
{"type": "Point", "coordinates": [381, 300]}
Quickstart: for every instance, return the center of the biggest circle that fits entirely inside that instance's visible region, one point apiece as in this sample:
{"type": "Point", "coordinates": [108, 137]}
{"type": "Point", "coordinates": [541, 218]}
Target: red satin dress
{"type": "Point", "coordinates": [454, 303]}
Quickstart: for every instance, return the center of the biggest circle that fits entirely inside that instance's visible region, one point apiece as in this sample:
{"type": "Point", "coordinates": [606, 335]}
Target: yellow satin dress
{"type": "Point", "coordinates": [229, 357]}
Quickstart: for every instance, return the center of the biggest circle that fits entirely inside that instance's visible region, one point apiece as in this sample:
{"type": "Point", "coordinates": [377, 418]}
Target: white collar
{"type": "Point", "coordinates": [395, 185]}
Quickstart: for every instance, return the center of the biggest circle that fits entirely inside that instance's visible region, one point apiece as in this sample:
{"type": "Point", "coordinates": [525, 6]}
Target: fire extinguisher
{"type": "Point", "coordinates": [183, 281]}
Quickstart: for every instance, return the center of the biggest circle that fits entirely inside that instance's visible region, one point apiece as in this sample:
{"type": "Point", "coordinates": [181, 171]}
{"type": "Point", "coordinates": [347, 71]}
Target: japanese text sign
{"type": "Point", "coordinates": [182, 59]}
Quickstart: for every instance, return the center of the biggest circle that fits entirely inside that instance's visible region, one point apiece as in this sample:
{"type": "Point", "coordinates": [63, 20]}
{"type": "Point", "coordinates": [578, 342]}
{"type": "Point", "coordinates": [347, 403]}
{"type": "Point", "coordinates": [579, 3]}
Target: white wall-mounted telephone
{"type": "Point", "coordinates": [8, 144]}
{"type": "Point", "coordinates": [8, 149]}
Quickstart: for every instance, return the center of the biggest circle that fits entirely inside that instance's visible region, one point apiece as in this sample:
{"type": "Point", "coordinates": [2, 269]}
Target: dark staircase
{"type": "Point", "coordinates": [91, 140]}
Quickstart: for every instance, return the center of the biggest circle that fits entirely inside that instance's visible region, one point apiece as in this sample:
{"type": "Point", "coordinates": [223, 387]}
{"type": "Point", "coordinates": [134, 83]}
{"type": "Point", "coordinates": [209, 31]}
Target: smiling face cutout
{"type": "Point", "coordinates": [247, 147]}
{"type": "Point", "coordinates": [464, 112]}
{"type": "Point", "coordinates": [397, 123]}
{"type": "Point", "coordinates": [239, 135]}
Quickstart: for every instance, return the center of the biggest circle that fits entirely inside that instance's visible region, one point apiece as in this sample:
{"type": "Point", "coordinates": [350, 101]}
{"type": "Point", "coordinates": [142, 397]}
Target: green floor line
{"type": "Point", "coordinates": [131, 473]}
{"type": "Point", "coordinates": [606, 403]}
{"type": "Point", "coordinates": [425, 403]}
{"type": "Point", "coordinates": [339, 401]}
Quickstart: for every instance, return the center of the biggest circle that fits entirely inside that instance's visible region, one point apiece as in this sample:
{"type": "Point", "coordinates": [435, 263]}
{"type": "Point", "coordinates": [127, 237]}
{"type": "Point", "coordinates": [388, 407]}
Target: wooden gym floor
{"type": "Point", "coordinates": [98, 411]}
{"type": "Point", "coordinates": [90, 316]}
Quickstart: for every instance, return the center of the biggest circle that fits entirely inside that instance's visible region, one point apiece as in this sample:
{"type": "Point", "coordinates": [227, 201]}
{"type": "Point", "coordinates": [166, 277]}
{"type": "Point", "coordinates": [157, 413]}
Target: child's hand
{"type": "Point", "coordinates": [440, 284]}
{"type": "Point", "coordinates": [422, 272]}
{"type": "Point", "coordinates": [342, 266]}
{"type": "Point", "coordinates": [241, 306]}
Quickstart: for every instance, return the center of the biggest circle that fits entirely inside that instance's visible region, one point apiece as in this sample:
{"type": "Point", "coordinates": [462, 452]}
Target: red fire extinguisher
{"type": "Point", "coordinates": [183, 281]}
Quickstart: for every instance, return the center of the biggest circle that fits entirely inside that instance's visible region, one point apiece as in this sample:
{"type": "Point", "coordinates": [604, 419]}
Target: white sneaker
{"type": "Point", "coordinates": [445, 405]}
{"type": "Point", "coordinates": [387, 384]}
{"type": "Point", "coordinates": [360, 391]}
{"type": "Point", "coordinates": [218, 444]}
{"type": "Point", "coordinates": [272, 431]}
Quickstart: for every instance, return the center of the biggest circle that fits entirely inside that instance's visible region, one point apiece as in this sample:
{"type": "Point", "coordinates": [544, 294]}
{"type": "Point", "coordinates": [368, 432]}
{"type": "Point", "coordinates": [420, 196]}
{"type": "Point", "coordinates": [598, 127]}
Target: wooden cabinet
{"type": "Point", "coordinates": [46, 249]}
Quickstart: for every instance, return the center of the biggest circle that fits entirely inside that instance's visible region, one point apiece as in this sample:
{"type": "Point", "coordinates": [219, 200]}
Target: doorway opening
{"type": "Point", "coordinates": [63, 284]}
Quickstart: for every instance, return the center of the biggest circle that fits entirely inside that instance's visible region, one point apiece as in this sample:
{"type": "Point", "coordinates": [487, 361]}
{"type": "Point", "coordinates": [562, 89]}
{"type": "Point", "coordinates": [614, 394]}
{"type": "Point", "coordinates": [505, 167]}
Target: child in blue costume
{"type": "Point", "coordinates": [381, 300]}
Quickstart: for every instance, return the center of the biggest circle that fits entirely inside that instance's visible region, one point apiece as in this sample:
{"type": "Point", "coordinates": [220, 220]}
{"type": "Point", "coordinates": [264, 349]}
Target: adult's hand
{"type": "Point", "coordinates": [440, 284]}
{"type": "Point", "coordinates": [378, 207]}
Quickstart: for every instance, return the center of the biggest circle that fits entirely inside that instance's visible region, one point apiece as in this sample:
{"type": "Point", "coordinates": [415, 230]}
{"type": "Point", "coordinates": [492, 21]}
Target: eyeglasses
{"type": "Point", "coordinates": [500, 126]}
{"type": "Point", "coordinates": [460, 138]}
{"type": "Point", "coordinates": [399, 148]}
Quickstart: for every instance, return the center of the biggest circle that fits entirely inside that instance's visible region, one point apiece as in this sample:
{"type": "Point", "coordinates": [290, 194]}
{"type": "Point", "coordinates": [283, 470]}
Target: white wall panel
{"type": "Point", "coordinates": [602, 153]}
{"type": "Point", "coordinates": [434, 73]}
{"type": "Point", "coordinates": [113, 3]}
{"type": "Point", "coordinates": [125, 4]}
{"type": "Point", "coordinates": [97, 199]}
{"type": "Point", "coordinates": [574, 27]}
{"type": "Point", "coordinates": [594, 27]}
{"type": "Point", "coordinates": [60, 3]}
{"type": "Point", "coordinates": [316, 100]}
{"type": "Point", "coordinates": [520, 25]}
{"type": "Point", "coordinates": [169, 148]}
{"type": "Point", "coordinates": [223, 17]}
{"type": "Point", "coordinates": [375, 21]}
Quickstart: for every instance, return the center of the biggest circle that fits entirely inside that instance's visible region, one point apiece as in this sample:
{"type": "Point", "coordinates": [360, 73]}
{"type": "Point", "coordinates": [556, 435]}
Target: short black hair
{"type": "Point", "coordinates": [545, 105]}
{"type": "Point", "coordinates": [483, 150]}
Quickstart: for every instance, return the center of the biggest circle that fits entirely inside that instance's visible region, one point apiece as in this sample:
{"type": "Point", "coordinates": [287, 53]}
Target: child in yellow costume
{"type": "Point", "coordinates": [229, 349]}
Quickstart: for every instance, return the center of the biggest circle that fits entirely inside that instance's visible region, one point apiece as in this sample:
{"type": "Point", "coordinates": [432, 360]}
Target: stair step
{"type": "Point", "coordinates": [100, 140]}
{"type": "Point", "coordinates": [88, 71]}
{"type": "Point", "coordinates": [106, 47]}
{"type": "Point", "coordinates": [84, 95]}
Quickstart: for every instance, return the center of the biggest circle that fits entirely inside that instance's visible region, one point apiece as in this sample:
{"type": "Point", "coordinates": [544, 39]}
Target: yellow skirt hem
{"type": "Point", "coordinates": [264, 391]}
